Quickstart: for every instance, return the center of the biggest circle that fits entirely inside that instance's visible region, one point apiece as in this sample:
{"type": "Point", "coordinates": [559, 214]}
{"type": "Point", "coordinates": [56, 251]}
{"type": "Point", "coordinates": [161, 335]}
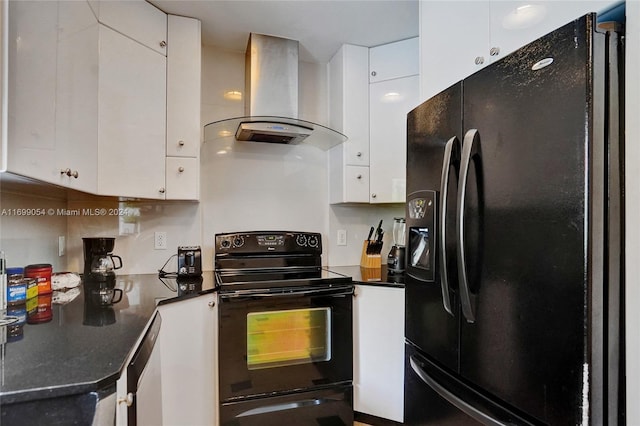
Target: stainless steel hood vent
{"type": "Point", "coordinates": [271, 100]}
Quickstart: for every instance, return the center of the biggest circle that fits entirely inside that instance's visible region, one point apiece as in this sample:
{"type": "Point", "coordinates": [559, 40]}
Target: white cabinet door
{"type": "Point", "coordinates": [394, 60]}
{"type": "Point", "coordinates": [391, 100]}
{"type": "Point", "coordinates": [132, 118]}
{"type": "Point", "coordinates": [136, 19]}
{"type": "Point", "coordinates": [349, 102]}
{"type": "Point", "coordinates": [516, 23]}
{"type": "Point", "coordinates": [189, 329]}
{"type": "Point", "coordinates": [378, 339]}
{"type": "Point", "coordinates": [32, 98]}
{"type": "Point", "coordinates": [454, 37]}
{"type": "Point", "coordinates": [183, 87]}
{"type": "Point", "coordinates": [77, 97]}
{"type": "Point", "coordinates": [183, 178]}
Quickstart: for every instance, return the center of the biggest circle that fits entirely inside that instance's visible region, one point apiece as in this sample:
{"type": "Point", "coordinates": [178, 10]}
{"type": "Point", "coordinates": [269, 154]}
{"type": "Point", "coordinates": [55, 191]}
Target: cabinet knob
{"type": "Point", "coordinates": [373, 73]}
{"type": "Point", "coordinates": [374, 195]}
{"type": "Point", "coordinates": [479, 60]}
{"type": "Point", "coordinates": [161, 190]}
{"type": "Point", "coordinates": [494, 51]}
{"type": "Point", "coordinates": [211, 304]}
{"type": "Point", "coordinates": [180, 143]}
{"type": "Point", "coordinates": [359, 177]}
{"type": "Point", "coordinates": [359, 154]}
{"type": "Point", "coordinates": [163, 43]}
{"type": "Point", "coordinates": [127, 399]}
{"type": "Point", "coordinates": [181, 169]}
{"type": "Point", "coordinates": [70, 173]}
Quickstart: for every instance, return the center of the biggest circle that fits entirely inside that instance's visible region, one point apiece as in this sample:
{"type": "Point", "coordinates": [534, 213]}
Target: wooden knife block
{"type": "Point", "coordinates": [370, 260]}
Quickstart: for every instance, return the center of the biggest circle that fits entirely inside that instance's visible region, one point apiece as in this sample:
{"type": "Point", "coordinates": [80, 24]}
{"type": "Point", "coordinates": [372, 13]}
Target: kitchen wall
{"type": "Point", "coordinates": [29, 222]}
{"type": "Point", "coordinates": [262, 187]}
{"type": "Point", "coordinates": [243, 187]}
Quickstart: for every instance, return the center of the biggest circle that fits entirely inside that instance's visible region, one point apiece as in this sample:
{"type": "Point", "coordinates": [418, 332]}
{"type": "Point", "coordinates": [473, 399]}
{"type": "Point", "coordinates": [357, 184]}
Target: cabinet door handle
{"type": "Point", "coordinates": [374, 195]}
{"type": "Point", "coordinates": [494, 51]}
{"type": "Point", "coordinates": [181, 169]}
{"type": "Point", "coordinates": [161, 190]}
{"type": "Point", "coordinates": [211, 304]}
{"type": "Point", "coordinates": [180, 143]}
{"type": "Point", "coordinates": [373, 73]}
{"type": "Point", "coordinates": [128, 400]}
{"type": "Point", "coordinates": [359, 177]}
{"type": "Point", "coordinates": [479, 60]}
{"type": "Point", "coordinates": [163, 43]}
{"type": "Point", "coordinates": [359, 154]}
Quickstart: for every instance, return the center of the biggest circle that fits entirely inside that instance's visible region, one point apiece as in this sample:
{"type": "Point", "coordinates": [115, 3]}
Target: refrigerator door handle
{"type": "Point", "coordinates": [470, 148]}
{"type": "Point", "coordinates": [459, 403]}
{"type": "Point", "coordinates": [451, 148]}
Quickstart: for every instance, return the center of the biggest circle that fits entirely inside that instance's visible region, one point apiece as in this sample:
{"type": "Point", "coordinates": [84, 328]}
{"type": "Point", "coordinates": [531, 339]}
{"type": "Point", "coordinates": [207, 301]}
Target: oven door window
{"type": "Point", "coordinates": [288, 337]}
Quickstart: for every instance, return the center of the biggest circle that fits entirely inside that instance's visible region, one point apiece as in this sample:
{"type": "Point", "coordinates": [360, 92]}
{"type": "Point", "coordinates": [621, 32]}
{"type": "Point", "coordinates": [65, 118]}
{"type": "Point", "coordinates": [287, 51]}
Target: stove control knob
{"type": "Point", "coordinates": [313, 242]}
{"type": "Point", "coordinates": [238, 241]}
{"type": "Point", "coordinates": [301, 240]}
{"type": "Point", "coordinates": [225, 244]}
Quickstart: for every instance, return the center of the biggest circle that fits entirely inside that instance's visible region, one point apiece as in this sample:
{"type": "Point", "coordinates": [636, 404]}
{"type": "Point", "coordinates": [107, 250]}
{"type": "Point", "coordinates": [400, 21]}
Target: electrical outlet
{"type": "Point", "coordinates": [61, 245]}
{"type": "Point", "coordinates": [160, 240]}
{"type": "Point", "coordinates": [342, 237]}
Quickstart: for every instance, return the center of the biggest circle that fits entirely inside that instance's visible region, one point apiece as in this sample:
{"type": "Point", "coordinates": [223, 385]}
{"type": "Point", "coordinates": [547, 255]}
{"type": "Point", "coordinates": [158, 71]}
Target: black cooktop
{"type": "Point", "coordinates": [271, 260]}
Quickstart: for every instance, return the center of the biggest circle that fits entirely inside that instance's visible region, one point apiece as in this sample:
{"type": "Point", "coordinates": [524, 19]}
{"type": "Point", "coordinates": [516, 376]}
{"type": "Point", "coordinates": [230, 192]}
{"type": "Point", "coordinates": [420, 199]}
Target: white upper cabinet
{"type": "Point", "coordinates": [349, 114]}
{"type": "Point", "coordinates": [460, 38]}
{"type": "Point", "coordinates": [47, 140]}
{"type": "Point", "coordinates": [88, 105]}
{"type": "Point", "coordinates": [394, 60]}
{"type": "Point", "coordinates": [371, 110]}
{"type": "Point", "coordinates": [349, 102]}
{"type": "Point", "coordinates": [453, 42]}
{"type": "Point", "coordinates": [514, 24]}
{"type": "Point", "coordinates": [390, 99]}
{"type": "Point", "coordinates": [183, 87]}
{"type": "Point", "coordinates": [137, 19]}
{"type": "Point", "coordinates": [132, 118]}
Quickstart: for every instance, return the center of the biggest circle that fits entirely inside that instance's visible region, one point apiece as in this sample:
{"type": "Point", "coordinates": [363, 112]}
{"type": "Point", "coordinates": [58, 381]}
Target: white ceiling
{"type": "Point", "coordinates": [321, 26]}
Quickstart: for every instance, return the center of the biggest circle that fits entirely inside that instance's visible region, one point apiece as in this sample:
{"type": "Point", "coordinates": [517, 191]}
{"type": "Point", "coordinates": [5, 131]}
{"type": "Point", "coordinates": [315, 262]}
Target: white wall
{"type": "Point", "coordinates": [29, 230]}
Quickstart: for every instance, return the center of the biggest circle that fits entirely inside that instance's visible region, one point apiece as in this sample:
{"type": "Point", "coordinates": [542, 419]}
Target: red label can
{"type": "Point", "coordinates": [42, 274]}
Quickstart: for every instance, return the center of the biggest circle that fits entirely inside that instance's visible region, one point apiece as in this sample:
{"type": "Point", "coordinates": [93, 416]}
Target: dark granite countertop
{"type": "Point", "coordinates": [83, 348]}
{"type": "Point", "coordinates": [379, 277]}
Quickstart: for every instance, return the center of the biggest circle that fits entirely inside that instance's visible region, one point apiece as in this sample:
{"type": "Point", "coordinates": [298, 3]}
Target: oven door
{"type": "Point", "coordinates": [284, 341]}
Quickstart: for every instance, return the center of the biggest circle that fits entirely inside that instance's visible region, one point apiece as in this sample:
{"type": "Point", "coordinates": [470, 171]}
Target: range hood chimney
{"type": "Point", "coordinates": [271, 100]}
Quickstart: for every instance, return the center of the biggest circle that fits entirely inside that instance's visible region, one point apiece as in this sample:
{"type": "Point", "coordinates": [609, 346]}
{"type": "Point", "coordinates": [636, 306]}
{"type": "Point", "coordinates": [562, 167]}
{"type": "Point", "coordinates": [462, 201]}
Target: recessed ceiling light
{"type": "Point", "coordinates": [233, 95]}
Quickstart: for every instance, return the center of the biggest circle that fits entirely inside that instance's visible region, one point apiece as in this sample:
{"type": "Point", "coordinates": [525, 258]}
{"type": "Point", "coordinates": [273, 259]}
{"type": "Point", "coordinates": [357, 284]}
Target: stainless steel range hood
{"type": "Point", "coordinates": [271, 100]}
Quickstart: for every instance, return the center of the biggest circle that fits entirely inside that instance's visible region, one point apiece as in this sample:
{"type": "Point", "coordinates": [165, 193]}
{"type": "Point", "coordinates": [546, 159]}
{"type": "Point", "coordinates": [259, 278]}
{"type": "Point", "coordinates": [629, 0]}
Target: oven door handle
{"type": "Point", "coordinates": [327, 291]}
{"type": "Point", "coordinates": [286, 406]}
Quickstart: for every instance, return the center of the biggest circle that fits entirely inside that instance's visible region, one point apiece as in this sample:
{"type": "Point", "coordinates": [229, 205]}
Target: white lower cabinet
{"type": "Point", "coordinates": [378, 351]}
{"type": "Point", "coordinates": [187, 346]}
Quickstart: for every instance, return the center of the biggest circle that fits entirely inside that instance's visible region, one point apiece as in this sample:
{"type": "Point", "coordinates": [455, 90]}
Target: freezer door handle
{"type": "Point", "coordinates": [451, 149]}
{"type": "Point", "coordinates": [462, 405]}
{"type": "Point", "coordinates": [470, 148]}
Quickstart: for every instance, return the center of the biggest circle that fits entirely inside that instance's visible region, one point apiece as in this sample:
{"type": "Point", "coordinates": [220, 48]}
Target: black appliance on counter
{"type": "Point", "coordinates": [514, 285]}
{"type": "Point", "coordinates": [285, 331]}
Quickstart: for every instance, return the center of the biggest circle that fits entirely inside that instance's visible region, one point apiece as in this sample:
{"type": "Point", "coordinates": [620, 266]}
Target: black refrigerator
{"type": "Point", "coordinates": [514, 283]}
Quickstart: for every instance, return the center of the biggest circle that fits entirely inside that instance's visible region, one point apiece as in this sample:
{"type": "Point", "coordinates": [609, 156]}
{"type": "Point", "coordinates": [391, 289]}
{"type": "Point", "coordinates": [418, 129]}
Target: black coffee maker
{"type": "Point", "coordinates": [100, 265]}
